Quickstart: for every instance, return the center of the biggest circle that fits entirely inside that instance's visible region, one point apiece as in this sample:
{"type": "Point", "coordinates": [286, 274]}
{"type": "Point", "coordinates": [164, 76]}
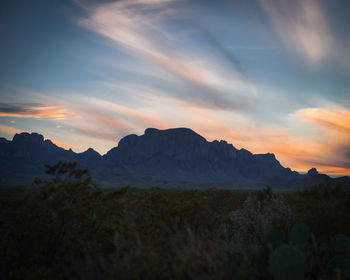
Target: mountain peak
{"type": "Point", "coordinates": [312, 171]}
{"type": "Point", "coordinates": [178, 130]}
{"type": "Point", "coordinates": [91, 151]}
{"type": "Point", "coordinates": [4, 140]}
{"type": "Point", "coordinates": [28, 137]}
{"type": "Point", "coordinates": [173, 132]}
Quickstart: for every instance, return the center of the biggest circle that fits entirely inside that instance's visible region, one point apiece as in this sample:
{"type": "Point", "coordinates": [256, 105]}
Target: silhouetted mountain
{"type": "Point", "coordinates": [172, 157]}
{"type": "Point", "coordinates": [23, 158]}
{"type": "Point", "coordinates": [312, 172]}
{"type": "Point", "coordinates": [181, 155]}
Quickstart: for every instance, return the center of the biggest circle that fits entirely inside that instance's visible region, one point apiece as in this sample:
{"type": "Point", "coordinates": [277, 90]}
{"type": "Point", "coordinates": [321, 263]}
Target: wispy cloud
{"type": "Point", "coordinates": [9, 130]}
{"type": "Point", "coordinates": [96, 133]}
{"type": "Point", "coordinates": [138, 28]}
{"type": "Point", "coordinates": [35, 110]}
{"type": "Point", "coordinates": [110, 121]}
{"type": "Point", "coordinates": [336, 118]}
{"type": "Point", "coordinates": [96, 123]}
{"type": "Point", "coordinates": [132, 117]}
{"type": "Point", "coordinates": [333, 139]}
{"type": "Point", "coordinates": [302, 26]}
{"type": "Point", "coordinates": [67, 145]}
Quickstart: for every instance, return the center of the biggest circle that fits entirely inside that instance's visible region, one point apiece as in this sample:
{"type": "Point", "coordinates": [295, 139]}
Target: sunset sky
{"type": "Point", "coordinates": [266, 75]}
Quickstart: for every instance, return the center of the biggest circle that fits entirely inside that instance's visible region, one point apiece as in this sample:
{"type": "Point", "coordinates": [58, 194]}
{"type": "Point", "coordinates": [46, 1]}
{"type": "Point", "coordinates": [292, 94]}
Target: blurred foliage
{"type": "Point", "coordinates": [325, 209]}
{"type": "Point", "coordinates": [67, 228]}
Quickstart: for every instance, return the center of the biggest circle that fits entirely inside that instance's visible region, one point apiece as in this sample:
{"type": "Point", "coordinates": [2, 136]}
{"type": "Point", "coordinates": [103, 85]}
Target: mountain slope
{"type": "Point", "coordinates": [174, 157]}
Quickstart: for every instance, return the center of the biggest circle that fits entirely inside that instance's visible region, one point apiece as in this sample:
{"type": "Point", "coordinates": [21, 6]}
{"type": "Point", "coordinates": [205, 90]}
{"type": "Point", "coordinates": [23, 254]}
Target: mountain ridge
{"type": "Point", "coordinates": [176, 157]}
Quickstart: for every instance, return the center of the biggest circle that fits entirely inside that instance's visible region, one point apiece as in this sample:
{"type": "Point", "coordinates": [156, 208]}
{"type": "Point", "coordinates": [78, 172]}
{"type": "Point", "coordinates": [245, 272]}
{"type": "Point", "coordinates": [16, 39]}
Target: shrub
{"type": "Point", "coordinates": [259, 215]}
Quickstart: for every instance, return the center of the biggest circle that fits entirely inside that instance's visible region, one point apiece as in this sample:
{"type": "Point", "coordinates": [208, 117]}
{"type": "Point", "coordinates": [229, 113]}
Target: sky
{"type": "Point", "coordinates": [264, 75]}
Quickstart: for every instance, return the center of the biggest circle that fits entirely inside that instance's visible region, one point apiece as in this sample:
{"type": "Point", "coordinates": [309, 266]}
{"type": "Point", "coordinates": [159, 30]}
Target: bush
{"type": "Point", "coordinates": [53, 229]}
{"type": "Point", "coordinates": [259, 215]}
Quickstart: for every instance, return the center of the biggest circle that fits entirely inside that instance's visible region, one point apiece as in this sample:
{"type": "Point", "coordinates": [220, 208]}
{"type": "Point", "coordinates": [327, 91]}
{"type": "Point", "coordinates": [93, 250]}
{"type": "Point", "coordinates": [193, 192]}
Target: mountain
{"type": "Point", "coordinates": [174, 157]}
{"type": "Point", "coordinates": [23, 158]}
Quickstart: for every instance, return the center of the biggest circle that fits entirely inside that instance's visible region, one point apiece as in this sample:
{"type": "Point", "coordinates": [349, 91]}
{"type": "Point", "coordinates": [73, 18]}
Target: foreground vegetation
{"type": "Point", "coordinates": [66, 228]}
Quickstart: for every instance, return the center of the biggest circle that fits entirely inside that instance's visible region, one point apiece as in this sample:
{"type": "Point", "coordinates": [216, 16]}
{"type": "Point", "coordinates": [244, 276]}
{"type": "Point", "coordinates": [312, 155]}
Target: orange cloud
{"type": "Point", "coordinates": [67, 145]}
{"type": "Point", "coordinates": [9, 130]}
{"type": "Point", "coordinates": [126, 114]}
{"type": "Point", "coordinates": [329, 149]}
{"type": "Point", "coordinates": [96, 133]}
{"type": "Point", "coordinates": [301, 154]}
{"type": "Point", "coordinates": [100, 119]}
{"type": "Point", "coordinates": [107, 120]}
{"type": "Point", "coordinates": [27, 110]}
{"type": "Point", "coordinates": [337, 119]}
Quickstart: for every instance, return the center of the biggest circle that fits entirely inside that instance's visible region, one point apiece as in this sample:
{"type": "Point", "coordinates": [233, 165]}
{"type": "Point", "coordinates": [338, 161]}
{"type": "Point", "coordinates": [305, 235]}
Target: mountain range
{"type": "Point", "coordinates": [176, 157]}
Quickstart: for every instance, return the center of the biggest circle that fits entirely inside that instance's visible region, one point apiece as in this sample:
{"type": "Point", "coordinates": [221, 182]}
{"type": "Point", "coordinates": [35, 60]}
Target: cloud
{"type": "Point", "coordinates": [221, 49]}
{"type": "Point", "coordinates": [336, 119]}
{"type": "Point", "coordinates": [96, 133]}
{"type": "Point", "coordinates": [332, 145]}
{"type": "Point", "coordinates": [135, 118]}
{"type": "Point", "coordinates": [99, 118]}
{"type": "Point", "coordinates": [138, 27]}
{"type": "Point", "coordinates": [9, 130]}
{"type": "Point", "coordinates": [67, 145]}
{"type": "Point", "coordinates": [35, 110]}
{"type": "Point", "coordinates": [107, 120]}
{"type": "Point", "coordinates": [95, 122]}
{"type": "Point", "coordinates": [302, 26]}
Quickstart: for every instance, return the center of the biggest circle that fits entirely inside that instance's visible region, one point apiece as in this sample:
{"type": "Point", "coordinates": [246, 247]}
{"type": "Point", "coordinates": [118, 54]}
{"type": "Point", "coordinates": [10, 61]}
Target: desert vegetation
{"type": "Point", "coordinates": [67, 228]}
